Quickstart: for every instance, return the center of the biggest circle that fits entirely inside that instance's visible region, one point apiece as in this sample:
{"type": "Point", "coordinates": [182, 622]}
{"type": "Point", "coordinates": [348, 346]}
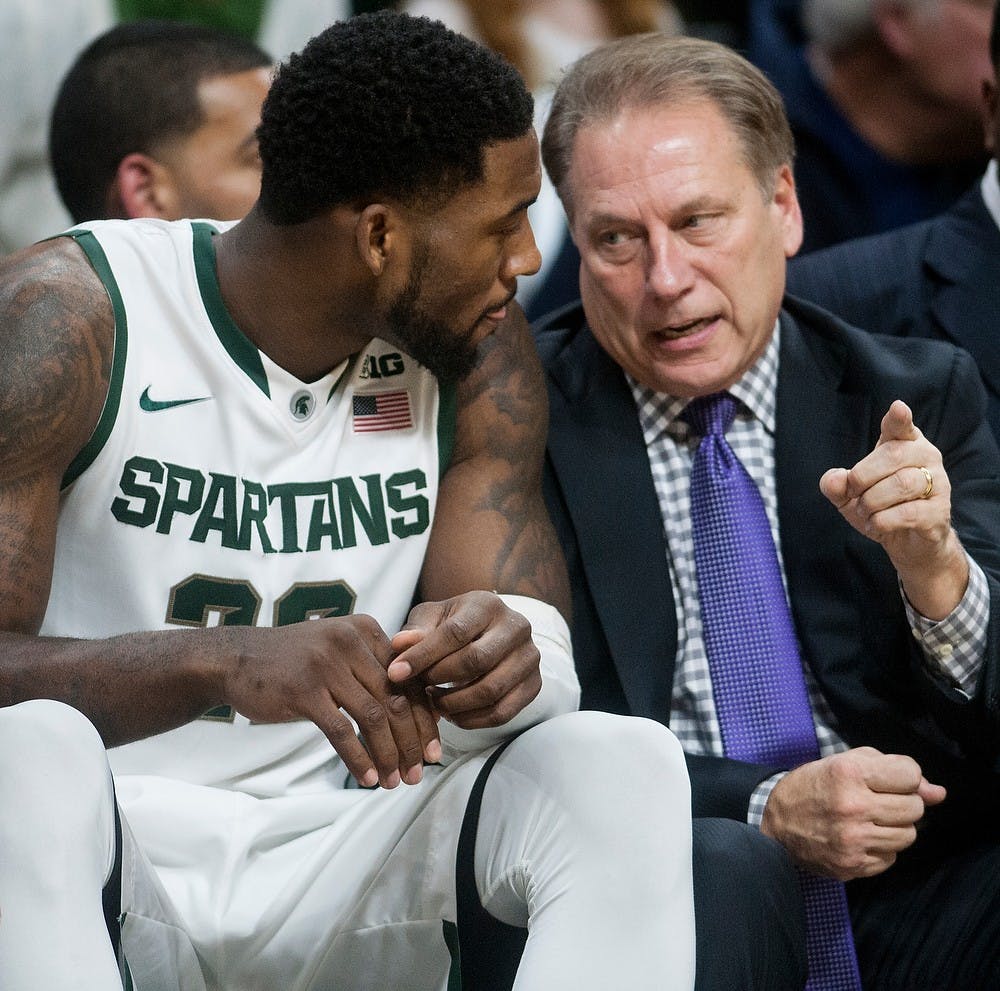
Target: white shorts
{"type": "Point", "coordinates": [343, 889]}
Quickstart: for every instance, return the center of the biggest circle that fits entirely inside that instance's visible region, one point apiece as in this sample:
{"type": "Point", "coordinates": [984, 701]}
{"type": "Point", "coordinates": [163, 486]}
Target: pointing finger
{"type": "Point", "coordinates": [897, 424]}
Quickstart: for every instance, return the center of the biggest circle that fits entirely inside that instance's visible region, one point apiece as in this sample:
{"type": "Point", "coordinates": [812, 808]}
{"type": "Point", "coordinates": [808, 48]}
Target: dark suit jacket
{"type": "Point", "coordinates": [939, 278]}
{"type": "Point", "coordinates": [834, 385]}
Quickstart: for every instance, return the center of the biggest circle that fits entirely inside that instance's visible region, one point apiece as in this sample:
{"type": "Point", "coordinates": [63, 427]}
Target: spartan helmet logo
{"type": "Point", "coordinates": [302, 404]}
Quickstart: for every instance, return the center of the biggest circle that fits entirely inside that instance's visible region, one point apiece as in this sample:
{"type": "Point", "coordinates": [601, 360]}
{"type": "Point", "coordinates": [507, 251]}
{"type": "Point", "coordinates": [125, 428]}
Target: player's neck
{"type": "Point", "coordinates": [284, 289]}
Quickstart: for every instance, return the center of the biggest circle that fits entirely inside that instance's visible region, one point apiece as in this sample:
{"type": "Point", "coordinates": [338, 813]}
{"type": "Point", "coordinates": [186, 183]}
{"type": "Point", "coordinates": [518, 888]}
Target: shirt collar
{"type": "Point", "coordinates": [991, 191]}
{"type": "Point", "coordinates": [756, 390]}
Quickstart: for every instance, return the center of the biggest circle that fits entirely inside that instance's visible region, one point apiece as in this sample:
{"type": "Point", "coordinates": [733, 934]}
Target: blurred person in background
{"type": "Point", "coordinates": [540, 38]}
{"type": "Point", "coordinates": [885, 109]}
{"type": "Point", "coordinates": [279, 26]}
{"type": "Point", "coordinates": [158, 118]}
{"type": "Point", "coordinates": [936, 278]}
{"type": "Point", "coordinates": [38, 43]}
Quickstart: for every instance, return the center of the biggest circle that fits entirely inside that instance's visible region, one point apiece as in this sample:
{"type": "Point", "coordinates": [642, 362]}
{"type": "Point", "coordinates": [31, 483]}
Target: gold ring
{"type": "Point", "coordinates": [929, 487]}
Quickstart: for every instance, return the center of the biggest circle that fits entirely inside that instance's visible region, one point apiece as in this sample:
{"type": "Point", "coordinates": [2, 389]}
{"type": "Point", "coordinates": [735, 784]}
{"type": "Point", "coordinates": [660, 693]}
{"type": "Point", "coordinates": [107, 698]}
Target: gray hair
{"type": "Point", "coordinates": [835, 25]}
{"type": "Point", "coordinates": [650, 70]}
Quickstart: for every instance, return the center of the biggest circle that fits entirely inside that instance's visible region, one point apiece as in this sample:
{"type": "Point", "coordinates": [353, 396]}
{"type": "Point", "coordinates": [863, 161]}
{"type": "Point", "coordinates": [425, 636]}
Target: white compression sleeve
{"type": "Point", "coordinates": [585, 838]}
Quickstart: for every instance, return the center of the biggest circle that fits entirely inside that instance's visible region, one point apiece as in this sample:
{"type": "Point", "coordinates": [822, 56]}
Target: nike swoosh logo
{"type": "Point", "coordinates": [155, 405]}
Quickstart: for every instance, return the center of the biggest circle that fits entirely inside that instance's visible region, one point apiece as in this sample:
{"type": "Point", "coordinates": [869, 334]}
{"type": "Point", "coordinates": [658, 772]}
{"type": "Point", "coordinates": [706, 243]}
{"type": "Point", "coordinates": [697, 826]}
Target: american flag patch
{"type": "Point", "coordinates": [382, 411]}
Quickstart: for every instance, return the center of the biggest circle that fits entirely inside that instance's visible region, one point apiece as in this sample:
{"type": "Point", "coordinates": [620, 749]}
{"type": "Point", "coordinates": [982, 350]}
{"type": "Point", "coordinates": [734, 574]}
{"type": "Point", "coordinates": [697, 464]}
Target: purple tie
{"type": "Point", "coordinates": [753, 655]}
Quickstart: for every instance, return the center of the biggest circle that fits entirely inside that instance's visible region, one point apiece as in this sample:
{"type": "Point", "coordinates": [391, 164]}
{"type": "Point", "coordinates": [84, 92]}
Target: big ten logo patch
{"type": "Point", "coordinates": [381, 366]}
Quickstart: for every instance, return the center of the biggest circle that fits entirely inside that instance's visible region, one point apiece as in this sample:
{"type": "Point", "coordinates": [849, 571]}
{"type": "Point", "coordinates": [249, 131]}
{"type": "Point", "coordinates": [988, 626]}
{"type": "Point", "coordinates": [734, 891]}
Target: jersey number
{"type": "Point", "coordinates": [202, 600]}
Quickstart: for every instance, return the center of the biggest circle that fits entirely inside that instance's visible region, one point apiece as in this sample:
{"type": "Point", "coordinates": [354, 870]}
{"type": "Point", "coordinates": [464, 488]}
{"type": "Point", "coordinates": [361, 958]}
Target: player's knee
{"type": "Point", "coordinates": [46, 744]}
{"type": "Point", "coordinates": [619, 744]}
{"type": "Point", "coordinates": [647, 746]}
{"type": "Point", "coordinates": [54, 772]}
{"type": "Point", "coordinates": [625, 754]}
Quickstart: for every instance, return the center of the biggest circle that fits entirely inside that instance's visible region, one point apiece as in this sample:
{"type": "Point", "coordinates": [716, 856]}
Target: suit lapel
{"type": "Point", "coordinates": [616, 518]}
{"type": "Point", "coordinates": [814, 422]}
{"type": "Point", "coordinates": [823, 422]}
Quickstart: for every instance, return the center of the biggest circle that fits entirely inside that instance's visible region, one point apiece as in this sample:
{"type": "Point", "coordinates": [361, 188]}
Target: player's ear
{"type": "Point", "coordinates": [141, 188]}
{"type": "Point", "coordinates": [380, 236]}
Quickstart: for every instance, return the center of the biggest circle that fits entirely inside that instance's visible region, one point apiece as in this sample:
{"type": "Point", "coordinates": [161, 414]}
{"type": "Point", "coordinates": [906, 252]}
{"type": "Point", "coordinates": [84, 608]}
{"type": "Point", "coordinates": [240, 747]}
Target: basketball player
{"type": "Point", "coordinates": [232, 458]}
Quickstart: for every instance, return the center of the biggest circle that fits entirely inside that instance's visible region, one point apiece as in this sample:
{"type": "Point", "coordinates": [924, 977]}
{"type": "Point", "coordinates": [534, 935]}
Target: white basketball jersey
{"type": "Point", "coordinates": [219, 489]}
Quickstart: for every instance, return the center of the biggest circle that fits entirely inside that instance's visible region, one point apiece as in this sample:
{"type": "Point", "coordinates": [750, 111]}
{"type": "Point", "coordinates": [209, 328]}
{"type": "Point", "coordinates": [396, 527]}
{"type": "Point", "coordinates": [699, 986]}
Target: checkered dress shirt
{"type": "Point", "coordinates": [953, 648]}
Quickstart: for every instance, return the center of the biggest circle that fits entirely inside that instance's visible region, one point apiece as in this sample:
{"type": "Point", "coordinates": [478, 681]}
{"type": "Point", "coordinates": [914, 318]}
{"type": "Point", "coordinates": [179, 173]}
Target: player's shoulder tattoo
{"type": "Point", "coordinates": [503, 415]}
{"type": "Point", "coordinates": [57, 336]}
{"type": "Point", "coordinates": [502, 404]}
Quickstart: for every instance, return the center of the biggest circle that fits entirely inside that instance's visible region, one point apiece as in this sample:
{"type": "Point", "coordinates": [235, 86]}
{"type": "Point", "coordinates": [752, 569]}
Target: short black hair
{"type": "Point", "coordinates": [383, 105]}
{"type": "Point", "coordinates": [130, 89]}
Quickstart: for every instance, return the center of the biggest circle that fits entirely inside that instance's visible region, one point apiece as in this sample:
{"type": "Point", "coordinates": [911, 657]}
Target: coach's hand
{"type": "Point", "coordinates": [474, 654]}
{"type": "Point", "coordinates": [314, 669]}
{"type": "Point", "coordinates": [850, 814]}
{"type": "Point", "coordinates": [899, 495]}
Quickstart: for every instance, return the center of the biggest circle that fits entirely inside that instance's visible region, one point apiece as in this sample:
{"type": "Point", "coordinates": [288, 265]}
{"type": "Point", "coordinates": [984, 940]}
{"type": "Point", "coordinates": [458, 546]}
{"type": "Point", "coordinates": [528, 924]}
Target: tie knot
{"type": "Point", "coordinates": [710, 414]}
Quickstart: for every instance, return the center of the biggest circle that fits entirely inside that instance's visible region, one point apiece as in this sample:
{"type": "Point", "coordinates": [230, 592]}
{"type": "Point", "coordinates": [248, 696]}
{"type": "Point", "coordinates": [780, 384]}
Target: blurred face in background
{"type": "Point", "coordinates": [214, 171]}
{"type": "Point", "coordinates": [947, 51]}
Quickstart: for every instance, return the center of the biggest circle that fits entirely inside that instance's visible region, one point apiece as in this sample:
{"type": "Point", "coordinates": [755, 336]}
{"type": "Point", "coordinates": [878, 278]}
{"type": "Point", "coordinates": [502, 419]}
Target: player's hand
{"type": "Point", "coordinates": [849, 815]}
{"type": "Point", "coordinates": [900, 496]}
{"type": "Point", "coordinates": [474, 654]}
{"type": "Point", "coordinates": [314, 669]}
